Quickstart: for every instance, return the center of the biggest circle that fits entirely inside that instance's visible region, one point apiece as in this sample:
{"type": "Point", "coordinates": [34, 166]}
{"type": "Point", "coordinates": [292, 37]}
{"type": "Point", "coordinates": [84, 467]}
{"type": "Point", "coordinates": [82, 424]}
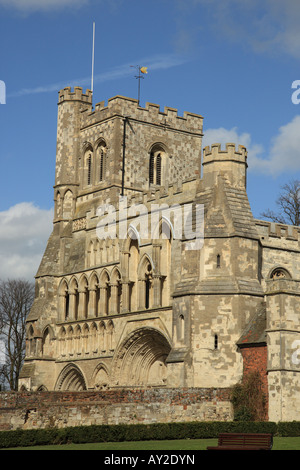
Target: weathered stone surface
{"type": "Point", "coordinates": [145, 310]}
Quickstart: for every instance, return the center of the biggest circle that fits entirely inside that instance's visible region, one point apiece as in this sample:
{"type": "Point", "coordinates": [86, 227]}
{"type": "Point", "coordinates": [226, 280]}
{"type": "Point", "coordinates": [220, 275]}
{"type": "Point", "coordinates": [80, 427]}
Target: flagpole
{"type": "Point", "coordinates": [93, 58]}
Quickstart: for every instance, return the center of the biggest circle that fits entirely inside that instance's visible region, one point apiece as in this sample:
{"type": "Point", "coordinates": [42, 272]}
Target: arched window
{"type": "Point", "coordinates": [88, 167]}
{"type": "Point", "coordinates": [67, 207]}
{"type": "Point", "coordinates": [47, 343]}
{"type": "Point", "coordinates": [145, 277]}
{"type": "Point", "coordinates": [101, 162]}
{"type": "Point", "coordinates": [105, 293]}
{"type": "Point", "coordinates": [74, 300]}
{"type": "Point", "coordinates": [157, 165]}
{"type": "Point", "coordinates": [132, 274]}
{"type": "Point", "coordinates": [63, 301]}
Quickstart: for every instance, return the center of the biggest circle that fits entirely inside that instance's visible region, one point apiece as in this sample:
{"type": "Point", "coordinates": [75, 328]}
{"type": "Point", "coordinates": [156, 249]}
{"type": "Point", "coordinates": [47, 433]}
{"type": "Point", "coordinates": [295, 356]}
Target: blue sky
{"type": "Point", "coordinates": [232, 61]}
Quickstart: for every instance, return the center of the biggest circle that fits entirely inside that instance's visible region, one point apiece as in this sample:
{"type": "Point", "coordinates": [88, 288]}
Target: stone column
{"type": "Point", "coordinates": [103, 300]}
{"type": "Point", "coordinates": [82, 304]}
{"type": "Point", "coordinates": [92, 307]}
{"type": "Point", "coordinates": [157, 301]}
{"type": "Point", "coordinates": [72, 306]}
{"type": "Point", "coordinates": [125, 296]}
{"type": "Point", "coordinates": [114, 298]}
{"type": "Point", "coordinates": [141, 294]}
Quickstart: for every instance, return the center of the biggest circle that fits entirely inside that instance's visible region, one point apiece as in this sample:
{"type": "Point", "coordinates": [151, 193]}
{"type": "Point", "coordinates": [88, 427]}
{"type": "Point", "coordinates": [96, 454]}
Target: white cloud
{"type": "Point", "coordinates": [41, 5]}
{"type": "Point", "coordinates": [156, 62]}
{"type": "Point", "coordinates": [264, 25]}
{"type": "Point", "coordinates": [24, 231]}
{"type": "Point", "coordinates": [284, 153]}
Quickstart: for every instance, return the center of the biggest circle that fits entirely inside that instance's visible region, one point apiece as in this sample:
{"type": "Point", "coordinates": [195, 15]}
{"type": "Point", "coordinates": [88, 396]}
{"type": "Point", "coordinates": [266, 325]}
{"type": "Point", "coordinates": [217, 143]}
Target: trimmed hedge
{"type": "Point", "coordinates": [139, 432]}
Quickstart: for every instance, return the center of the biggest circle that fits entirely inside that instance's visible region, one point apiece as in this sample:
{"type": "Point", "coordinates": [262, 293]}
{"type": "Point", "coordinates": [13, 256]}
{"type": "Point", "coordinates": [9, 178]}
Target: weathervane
{"type": "Point", "coordinates": [141, 70]}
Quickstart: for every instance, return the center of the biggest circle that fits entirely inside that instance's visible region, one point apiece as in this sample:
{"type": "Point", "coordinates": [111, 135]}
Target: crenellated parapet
{"type": "Point", "coordinates": [129, 107]}
{"type": "Point", "coordinates": [77, 95]}
{"type": "Point", "coordinates": [231, 152]}
{"type": "Point", "coordinates": [231, 163]}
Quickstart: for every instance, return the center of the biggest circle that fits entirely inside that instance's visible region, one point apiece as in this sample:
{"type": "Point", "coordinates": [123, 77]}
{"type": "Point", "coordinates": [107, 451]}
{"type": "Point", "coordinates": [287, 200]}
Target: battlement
{"type": "Point", "coordinates": [231, 163]}
{"type": "Point", "coordinates": [77, 95]}
{"type": "Point", "coordinates": [129, 107]}
{"type": "Point", "coordinates": [230, 153]}
{"type": "Point", "coordinates": [272, 231]}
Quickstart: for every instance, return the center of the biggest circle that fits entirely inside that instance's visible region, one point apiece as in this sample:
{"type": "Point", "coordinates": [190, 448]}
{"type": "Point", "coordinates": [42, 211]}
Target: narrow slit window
{"type": "Point", "coordinates": [216, 342]}
{"type": "Point", "coordinates": [151, 169]}
{"type": "Point", "coordinates": [218, 261]}
{"type": "Point", "coordinates": [101, 175]}
{"type": "Point", "coordinates": [89, 169]}
{"type": "Point", "coordinates": [158, 169]}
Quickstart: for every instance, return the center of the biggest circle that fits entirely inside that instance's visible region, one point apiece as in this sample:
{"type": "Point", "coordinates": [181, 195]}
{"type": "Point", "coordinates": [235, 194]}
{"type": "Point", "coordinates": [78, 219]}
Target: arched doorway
{"type": "Point", "coordinates": [71, 379]}
{"type": "Point", "coordinates": [141, 359]}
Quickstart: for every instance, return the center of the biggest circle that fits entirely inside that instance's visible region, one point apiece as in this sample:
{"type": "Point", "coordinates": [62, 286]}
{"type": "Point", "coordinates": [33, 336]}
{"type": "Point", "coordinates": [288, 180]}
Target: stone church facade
{"type": "Point", "coordinates": [137, 311]}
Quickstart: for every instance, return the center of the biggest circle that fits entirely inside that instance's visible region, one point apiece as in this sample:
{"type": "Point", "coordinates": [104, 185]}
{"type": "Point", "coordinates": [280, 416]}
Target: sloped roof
{"type": "Point", "coordinates": [255, 331]}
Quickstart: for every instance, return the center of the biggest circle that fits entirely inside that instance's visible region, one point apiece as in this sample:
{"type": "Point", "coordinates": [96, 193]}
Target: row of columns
{"type": "Point", "coordinates": [114, 298]}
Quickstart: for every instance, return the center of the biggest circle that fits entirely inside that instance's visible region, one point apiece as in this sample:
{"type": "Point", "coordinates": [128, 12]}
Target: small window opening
{"type": "Point", "coordinates": [89, 170]}
{"type": "Point", "coordinates": [101, 166]}
{"type": "Point", "coordinates": [158, 169]}
{"type": "Point", "coordinates": [218, 261]}
{"type": "Point", "coordinates": [151, 169]}
{"type": "Point", "coordinates": [216, 342]}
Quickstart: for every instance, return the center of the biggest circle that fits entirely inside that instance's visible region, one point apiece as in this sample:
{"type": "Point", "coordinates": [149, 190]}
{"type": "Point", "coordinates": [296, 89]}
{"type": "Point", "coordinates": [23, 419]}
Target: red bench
{"type": "Point", "coordinates": [247, 441]}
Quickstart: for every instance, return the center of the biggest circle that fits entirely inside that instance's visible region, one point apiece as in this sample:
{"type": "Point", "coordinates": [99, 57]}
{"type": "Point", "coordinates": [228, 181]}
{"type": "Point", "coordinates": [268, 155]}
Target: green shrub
{"type": "Point", "coordinates": [140, 432]}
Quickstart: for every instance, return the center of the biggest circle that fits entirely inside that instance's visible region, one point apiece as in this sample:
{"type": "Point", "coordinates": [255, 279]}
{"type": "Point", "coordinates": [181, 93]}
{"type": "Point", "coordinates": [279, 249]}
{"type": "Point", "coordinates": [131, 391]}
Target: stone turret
{"type": "Point", "coordinates": [70, 107]}
{"type": "Point", "coordinates": [230, 163]}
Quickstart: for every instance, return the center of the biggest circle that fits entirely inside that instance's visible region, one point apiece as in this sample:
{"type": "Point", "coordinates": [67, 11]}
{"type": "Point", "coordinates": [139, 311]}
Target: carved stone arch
{"type": "Point", "coordinates": [93, 280]}
{"type": "Point", "coordinates": [100, 142]}
{"type": "Point", "coordinates": [63, 287]}
{"type": "Point", "coordinates": [163, 229]}
{"type": "Point", "coordinates": [71, 378]}
{"type": "Point", "coordinates": [67, 204]}
{"type": "Point", "coordinates": [115, 275]}
{"type": "Point", "coordinates": [87, 146]}
{"type": "Point", "coordinates": [30, 331]}
{"type": "Point", "coordinates": [158, 145]}
{"type": "Point", "coordinates": [83, 282]}
{"type": "Point", "coordinates": [146, 271]}
{"type": "Point", "coordinates": [104, 277]}
{"type": "Point", "coordinates": [140, 360]}
{"type": "Point", "coordinates": [146, 264]}
{"type": "Point", "coordinates": [100, 378]}
{"type": "Point", "coordinates": [62, 333]}
{"type": "Point", "coordinates": [48, 337]}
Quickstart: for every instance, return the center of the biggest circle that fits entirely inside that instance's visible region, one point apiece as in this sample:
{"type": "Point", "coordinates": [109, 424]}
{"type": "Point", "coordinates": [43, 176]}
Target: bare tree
{"type": "Point", "coordinates": [288, 204]}
{"type": "Point", "coordinates": [16, 298]}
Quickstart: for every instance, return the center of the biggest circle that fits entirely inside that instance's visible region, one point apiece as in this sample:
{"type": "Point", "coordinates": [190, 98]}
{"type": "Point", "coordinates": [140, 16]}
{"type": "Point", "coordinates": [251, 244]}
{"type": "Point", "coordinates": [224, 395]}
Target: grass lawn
{"type": "Point", "coordinates": [280, 443]}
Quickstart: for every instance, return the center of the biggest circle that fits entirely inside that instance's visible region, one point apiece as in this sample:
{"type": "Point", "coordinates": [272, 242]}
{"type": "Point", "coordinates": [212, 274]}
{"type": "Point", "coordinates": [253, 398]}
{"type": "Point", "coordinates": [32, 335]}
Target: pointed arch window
{"type": "Point", "coordinates": [101, 162]}
{"type": "Point", "coordinates": [87, 175]}
{"type": "Point", "coordinates": [157, 166]}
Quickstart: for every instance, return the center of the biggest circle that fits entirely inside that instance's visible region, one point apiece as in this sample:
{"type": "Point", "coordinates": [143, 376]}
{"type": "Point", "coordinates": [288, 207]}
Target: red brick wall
{"type": "Point", "coordinates": [255, 359]}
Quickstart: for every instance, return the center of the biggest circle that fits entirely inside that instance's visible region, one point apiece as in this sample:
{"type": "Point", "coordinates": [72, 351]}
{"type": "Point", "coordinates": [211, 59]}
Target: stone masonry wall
{"type": "Point", "coordinates": [38, 410]}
